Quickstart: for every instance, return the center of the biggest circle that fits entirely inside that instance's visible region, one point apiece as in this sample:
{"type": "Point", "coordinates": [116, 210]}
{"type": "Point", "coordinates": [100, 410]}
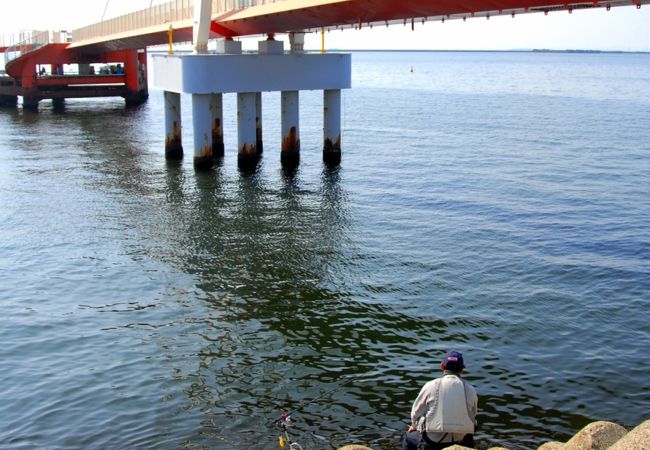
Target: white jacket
{"type": "Point", "coordinates": [446, 409]}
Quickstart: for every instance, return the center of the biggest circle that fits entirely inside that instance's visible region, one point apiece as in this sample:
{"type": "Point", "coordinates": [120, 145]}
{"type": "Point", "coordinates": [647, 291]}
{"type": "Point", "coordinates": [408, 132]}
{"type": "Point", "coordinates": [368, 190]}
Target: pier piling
{"type": "Point", "coordinates": [202, 126]}
{"type": "Point", "coordinates": [332, 126]}
{"type": "Point", "coordinates": [246, 133]}
{"type": "Point", "coordinates": [173, 142]}
{"type": "Point", "coordinates": [290, 127]}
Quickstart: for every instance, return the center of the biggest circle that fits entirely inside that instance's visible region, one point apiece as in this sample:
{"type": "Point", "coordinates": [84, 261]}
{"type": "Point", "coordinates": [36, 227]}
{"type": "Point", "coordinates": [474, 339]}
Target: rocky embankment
{"type": "Point", "coordinates": [595, 436]}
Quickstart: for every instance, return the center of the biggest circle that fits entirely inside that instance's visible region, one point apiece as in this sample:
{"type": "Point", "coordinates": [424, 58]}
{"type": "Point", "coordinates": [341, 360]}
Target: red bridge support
{"type": "Point", "coordinates": [124, 74]}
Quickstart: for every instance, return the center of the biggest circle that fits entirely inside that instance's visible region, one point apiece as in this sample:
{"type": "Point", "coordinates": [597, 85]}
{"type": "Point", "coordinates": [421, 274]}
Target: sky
{"type": "Point", "coordinates": [622, 28]}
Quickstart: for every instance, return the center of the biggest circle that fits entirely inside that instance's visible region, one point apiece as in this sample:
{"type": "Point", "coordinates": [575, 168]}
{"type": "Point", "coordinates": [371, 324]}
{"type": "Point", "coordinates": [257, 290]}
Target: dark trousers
{"type": "Point", "coordinates": [418, 441]}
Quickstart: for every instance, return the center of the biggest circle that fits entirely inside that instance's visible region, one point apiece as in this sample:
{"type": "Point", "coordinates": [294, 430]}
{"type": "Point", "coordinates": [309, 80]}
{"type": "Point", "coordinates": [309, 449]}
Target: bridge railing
{"type": "Point", "coordinates": [34, 41]}
{"type": "Point", "coordinates": [174, 11]}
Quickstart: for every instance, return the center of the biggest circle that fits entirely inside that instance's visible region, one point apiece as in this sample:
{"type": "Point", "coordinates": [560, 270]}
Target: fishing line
{"type": "Point", "coordinates": [313, 400]}
{"type": "Point", "coordinates": [104, 13]}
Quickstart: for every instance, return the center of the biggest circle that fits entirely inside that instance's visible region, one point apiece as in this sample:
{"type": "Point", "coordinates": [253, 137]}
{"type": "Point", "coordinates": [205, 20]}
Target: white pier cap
{"type": "Point", "coordinates": [205, 74]}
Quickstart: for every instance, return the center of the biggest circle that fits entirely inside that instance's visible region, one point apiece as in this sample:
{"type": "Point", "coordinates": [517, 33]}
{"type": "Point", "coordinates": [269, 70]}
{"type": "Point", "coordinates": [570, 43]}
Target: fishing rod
{"type": "Point", "coordinates": [284, 421]}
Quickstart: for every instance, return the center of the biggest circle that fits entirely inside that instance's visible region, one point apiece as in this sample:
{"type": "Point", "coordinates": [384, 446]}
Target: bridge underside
{"type": "Point", "coordinates": [314, 15]}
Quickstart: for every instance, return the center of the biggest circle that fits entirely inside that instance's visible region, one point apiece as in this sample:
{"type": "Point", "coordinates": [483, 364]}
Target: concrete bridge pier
{"type": "Point", "coordinates": [290, 102]}
{"type": "Point", "coordinates": [31, 103]}
{"type": "Point", "coordinates": [58, 104]}
{"type": "Point", "coordinates": [173, 142]}
{"type": "Point", "coordinates": [202, 126]}
{"type": "Point", "coordinates": [208, 76]}
{"type": "Point", "coordinates": [332, 126]}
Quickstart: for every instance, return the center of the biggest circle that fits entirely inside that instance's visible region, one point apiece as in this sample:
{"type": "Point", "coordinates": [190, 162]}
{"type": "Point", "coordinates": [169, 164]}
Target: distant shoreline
{"type": "Point", "coordinates": [534, 50]}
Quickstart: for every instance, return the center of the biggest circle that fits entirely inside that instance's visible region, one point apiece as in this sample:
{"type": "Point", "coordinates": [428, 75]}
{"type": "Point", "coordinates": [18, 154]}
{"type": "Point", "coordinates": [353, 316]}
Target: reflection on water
{"type": "Point", "coordinates": [149, 305]}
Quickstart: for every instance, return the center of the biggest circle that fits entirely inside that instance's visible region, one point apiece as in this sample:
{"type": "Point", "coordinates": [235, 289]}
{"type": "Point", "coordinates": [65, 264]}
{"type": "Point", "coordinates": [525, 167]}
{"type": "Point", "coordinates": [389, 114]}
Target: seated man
{"type": "Point", "coordinates": [444, 413]}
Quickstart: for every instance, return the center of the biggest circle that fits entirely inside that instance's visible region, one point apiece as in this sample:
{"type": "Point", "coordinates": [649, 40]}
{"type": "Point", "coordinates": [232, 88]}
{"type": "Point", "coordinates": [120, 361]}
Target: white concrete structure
{"type": "Point", "coordinates": [206, 77]}
{"type": "Point", "coordinates": [247, 75]}
{"type": "Point", "coordinates": [206, 74]}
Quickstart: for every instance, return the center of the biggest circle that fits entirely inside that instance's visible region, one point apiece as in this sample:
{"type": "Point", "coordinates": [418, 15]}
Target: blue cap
{"type": "Point", "coordinates": [454, 361]}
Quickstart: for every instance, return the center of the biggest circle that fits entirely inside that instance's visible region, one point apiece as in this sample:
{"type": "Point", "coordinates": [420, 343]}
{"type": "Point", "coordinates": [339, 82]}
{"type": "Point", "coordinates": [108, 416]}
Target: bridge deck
{"type": "Point", "coordinates": [151, 26]}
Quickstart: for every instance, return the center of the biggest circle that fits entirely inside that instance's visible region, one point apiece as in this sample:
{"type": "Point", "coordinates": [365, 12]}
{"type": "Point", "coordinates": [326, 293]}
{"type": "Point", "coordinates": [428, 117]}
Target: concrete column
{"type": "Point", "coordinates": [132, 75]}
{"type": "Point", "coordinates": [268, 47]}
{"type": "Point", "coordinates": [228, 47]}
{"type": "Point", "coordinates": [173, 143]}
{"type": "Point", "coordinates": [202, 125]}
{"type": "Point", "coordinates": [31, 103]}
{"type": "Point", "coordinates": [332, 126]}
{"type": "Point", "coordinates": [290, 127]}
{"type": "Point", "coordinates": [58, 104]}
{"type": "Point", "coordinates": [259, 141]}
{"type": "Point", "coordinates": [9, 101]}
{"type": "Point", "coordinates": [142, 73]}
{"type": "Point", "coordinates": [246, 136]}
{"type": "Point", "coordinates": [216, 113]}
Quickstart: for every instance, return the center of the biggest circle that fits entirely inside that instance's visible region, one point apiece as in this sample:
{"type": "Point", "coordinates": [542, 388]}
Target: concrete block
{"type": "Point", "coordinates": [596, 436]}
{"type": "Point", "coordinates": [270, 47]}
{"type": "Point", "coordinates": [224, 46]}
{"type": "Point", "coordinates": [637, 439]}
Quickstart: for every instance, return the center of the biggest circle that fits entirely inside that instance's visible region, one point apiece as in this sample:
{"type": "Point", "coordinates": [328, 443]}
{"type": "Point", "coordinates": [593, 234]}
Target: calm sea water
{"type": "Point", "coordinates": [493, 203]}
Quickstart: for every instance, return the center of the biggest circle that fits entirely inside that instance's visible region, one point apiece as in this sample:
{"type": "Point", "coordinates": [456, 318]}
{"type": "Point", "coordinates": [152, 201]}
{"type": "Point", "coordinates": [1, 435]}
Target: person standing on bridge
{"type": "Point", "coordinates": [444, 412]}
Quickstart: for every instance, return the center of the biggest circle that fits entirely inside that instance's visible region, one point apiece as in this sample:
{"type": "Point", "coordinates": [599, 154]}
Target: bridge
{"type": "Point", "coordinates": [34, 65]}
